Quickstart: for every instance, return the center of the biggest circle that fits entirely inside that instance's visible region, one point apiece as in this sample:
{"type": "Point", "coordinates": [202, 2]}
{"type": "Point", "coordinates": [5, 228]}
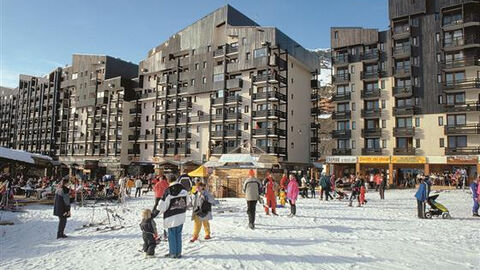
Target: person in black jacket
{"type": "Point", "coordinates": [149, 232]}
{"type": "Point", "coordinates": [382, 187]}
{"type": "Point", "coordinates": [61, 208]}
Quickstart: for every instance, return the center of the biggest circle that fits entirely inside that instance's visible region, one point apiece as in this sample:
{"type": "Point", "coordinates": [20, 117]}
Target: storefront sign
{"type": "Point", "coordinates": [437, 160]}
{"type": "Point", "coordinates": [157, 159]}
{"type": "Point", "coordinates": [462, 160]}
{"type": "Point", "coordinates": [374, 159]}
{"type": "Point", "coordinates": [341, 159]}
{"type": "Point", "coordinates": [408, 160]}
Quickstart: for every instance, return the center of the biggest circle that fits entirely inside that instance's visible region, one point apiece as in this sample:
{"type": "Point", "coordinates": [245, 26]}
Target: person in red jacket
{"type": "Point", "coordinates": [159, 190]}
{"type": "Point", "coordinates": [269, 187]}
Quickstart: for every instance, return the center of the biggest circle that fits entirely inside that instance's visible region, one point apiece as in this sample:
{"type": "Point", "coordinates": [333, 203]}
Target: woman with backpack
{"type": "Point", "coordinates": [202, 202]}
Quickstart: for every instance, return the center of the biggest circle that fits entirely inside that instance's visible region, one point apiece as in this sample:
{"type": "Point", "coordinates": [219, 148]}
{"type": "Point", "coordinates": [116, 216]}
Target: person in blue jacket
{"type": "Point", "coordinates": [421, 195]}
{"type": "Point", "coordinates": [474, 187]}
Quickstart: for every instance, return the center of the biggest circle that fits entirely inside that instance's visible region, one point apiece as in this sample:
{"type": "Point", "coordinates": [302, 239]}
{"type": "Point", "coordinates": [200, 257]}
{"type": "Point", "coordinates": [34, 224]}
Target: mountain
{"type": "Point", "coordinates": [326, 65]}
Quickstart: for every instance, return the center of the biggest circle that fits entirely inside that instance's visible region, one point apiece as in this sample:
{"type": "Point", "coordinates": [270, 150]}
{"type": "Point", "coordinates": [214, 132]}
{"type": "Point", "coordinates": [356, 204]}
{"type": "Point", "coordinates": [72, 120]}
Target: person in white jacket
{"type": "Point", "coordinates": [173, 206]}
{"type": "Point", "coordinates": [138, 187]}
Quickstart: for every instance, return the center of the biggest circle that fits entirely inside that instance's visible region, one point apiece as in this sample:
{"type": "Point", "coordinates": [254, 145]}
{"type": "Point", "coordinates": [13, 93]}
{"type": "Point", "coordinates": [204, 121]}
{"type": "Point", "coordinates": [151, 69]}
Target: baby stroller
{"type": "Point", "coordinates": [436, 209]}
{"type": "Point", "coordinates": [340, 194]}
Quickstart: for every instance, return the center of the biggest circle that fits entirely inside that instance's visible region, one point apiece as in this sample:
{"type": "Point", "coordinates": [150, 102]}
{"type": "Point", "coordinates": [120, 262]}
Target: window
{"type": "Point", "coordinates": [415, 41]}
{"type": "Point", "coordinates": [198, 129]}
{"type": "Point", "coordinates": [384, 143]}
{"type": "Point", "coordinates": [204, 64]}
{"type": "Point", "coordinates": [456, 120]}
{"type": "Point", "coordinates": [291, 80]}
{"type": "Point", "coordinates": [439, 58]}
{"type": "Point", "coordinates": [384, 123]}
{"type": "Point", "coordinates": [353, 106]}
{"type": "Point", "coordinates": [354, 144]}
{"type": "Point", "coordinates": [192, 82]}
{"type": "Point", "coordinates": [262, 52]}
{"type": "Point", "coordinates": [218, 77]}
{"type": "Point", "coordinates": [417, 121]}
{"type": "Point", "coordinates": [209, 48]}
{"type": "Point", "coordinates": [457, 141]}
{"type": "Point", "coordinates": [291, 96]}
{"type": "Point", "coordinates": [354, 125]}
{"type": "Point", "coordinates": [292, 145]}
{"type": "Point", "coordinates": [382, 47]}
{"type": "Point", "coordinates": [439, 78]}
{"type": "Point", "coordinates": [197, 145]}
{"type": "Point", "coordinates": [416, 61]}
{"type": "Point", "coordinates": [440, 120]}
{"type": "Point", "coordinates": [146, 118]}
{"type": "Point", "coordinates": [246, 109]}
{"type": "Point", "coordinates": [416, 82]}
{"type": "Point", "coordinates": [352, 69]}
{"type": "Point", "coordinates": [244, 40]}
{"type": "Point", "coordinates": [437, 35]}
{"type": "Point", "coordinates": [245, 126]}
{"type": "Point", "coordinates": [204, 80]}
{"type": "Point", "coordinates": [291, 128]}
{"type": "Point", "coordinates": [440, 99]}
{"type": "Point", "coordinates": [382, 84]}
{"type": "Point", "coordinates": [417, 143]}
{"type": "Point", "coordinates": [442, 142]}
{"type": "Point", "coordinates": [292, 112]}
{"type": "Point", "coordinates": [343, 125]}
{"type": "Point", "coordinates": [384, 104]}
{"type": "Point", "coordinates": [457, 98]}
{"type": "Point", "coordinates": [373, 143]}
{"type": "Point", "coordinates": [247, 56]}
{"type": "Point", "coordinates": [196, 66]}
{"type": "Point", "coordinates": [146, 146]}
{"type": "Point", "coordinates": [335, 34]}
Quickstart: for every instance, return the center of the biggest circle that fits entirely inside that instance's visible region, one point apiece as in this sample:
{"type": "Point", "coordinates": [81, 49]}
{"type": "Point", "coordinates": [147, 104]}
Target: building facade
{"type": "Point", "coordinates": [8, 116]}
{"type": "Point", "coordinates": [221, 84]}
{"type": "Point", "coordinates": [407, 99]}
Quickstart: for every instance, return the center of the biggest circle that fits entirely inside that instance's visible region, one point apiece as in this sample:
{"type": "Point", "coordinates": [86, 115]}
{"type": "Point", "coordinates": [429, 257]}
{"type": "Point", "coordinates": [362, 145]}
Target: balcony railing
{"type": "Point", "coordinates": [134, 151]}
{"type": "Point", "coordinates": [370, 55]}
{"type": "Point", "coordinates": [471, 150]}
{"type": "Point", "coordinates": [274, 150]}
{"type": "Point", "coordinates": [341, 78]}
{"type": "Point", "coordinates": [271, 95]}
{"type": "Point", "coordinates": [269, 132]}
{"type": "Point", "coordinates": [135, 110]}
{"type": "Point", "coordinates": [339, 115]}
{"type": "Point", "coordinates": [371, 151]}
{"type": "Point", "coordinates": [371, 93]}
{"type": "Point", "coordinates": [403, 131]}
{"type": "Point", "coordinates": [372, 113]}
{"type": "Point", "coordinates": [402, 71]}
{"type": "Point", "coordinates": [343, 133]}
{"type": "Point", "coordinates": [462, 84]}
{"type": "Point", "coordinates": [342, 96]}
{"type": "Point", "coordinates": [462, 129]}
{"type": "Point", "coordinates": [371, 132]}
{"type": "Point", "coordinates": [463, 107]}
{"type": "Point", "coordinates": [401, 31]}
{"type": "Point", "coordinates": [402, 51]}
{"type": "Point", "coordinates": [460, 63]}
{"type": "Point", "coordinates": [200, 118]}
{"type": "Point", "coordinates": [341, 151]}
{"type": "Point", "coordinates": [341, 59]}
{"type": "Point", "coordinates": [233, 133]}
{"type": "Point", "coordinates": [274, 78]}
{"type": "Point", "coordinates": [405, 110]}
{"type": "Point", "coordinates": [234, 83]}
{"type": "Point", "coordinates": [454, 42]}
{"type": "Point", "coordinates": [233, 99]}
{"type": "Point", "coordinates": [403, 91]}
{"type": "Point", "coordinates": [404, 151]}
{"type": "Point", "coordinates": [233, 116]}
{"type": "Point", "coordinates": [269, 113]}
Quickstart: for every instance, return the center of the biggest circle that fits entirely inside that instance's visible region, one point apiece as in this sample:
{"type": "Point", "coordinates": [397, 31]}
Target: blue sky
{"type": "Point", "coordinates": [39, 35]}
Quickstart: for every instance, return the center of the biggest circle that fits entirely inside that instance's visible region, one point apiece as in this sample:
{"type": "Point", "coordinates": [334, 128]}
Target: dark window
{"type": "Point", "coordinates": [442, 142]}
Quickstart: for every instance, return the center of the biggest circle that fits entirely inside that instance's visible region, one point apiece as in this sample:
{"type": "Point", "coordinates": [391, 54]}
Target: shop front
{"type": "Point", "coordinates": [341, 165]}
{"type": "Point", "coordinates": [406, 168]}
{"type": "Point", "coordinates": [375, 164]}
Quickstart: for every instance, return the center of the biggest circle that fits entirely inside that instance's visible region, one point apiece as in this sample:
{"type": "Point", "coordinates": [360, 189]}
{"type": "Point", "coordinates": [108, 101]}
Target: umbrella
{"type": "Point", "coordinates": [199, 172]}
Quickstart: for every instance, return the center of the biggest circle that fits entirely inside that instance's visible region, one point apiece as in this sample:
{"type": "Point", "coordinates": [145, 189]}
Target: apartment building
{"type": "Point", "coordinates": [8, 105]}
{"type": "Point", "coordinates": [221, 83]}
{"type": "Point", "coordinates": [407, 99]}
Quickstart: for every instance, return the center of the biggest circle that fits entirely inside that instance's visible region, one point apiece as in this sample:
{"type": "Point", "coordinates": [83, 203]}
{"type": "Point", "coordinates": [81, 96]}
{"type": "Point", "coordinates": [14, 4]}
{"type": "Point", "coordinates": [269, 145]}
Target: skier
{"type": "Point", "coordinates": [173, 207]}
{"type": "Point", "coordinates": [61, 207]}
{"type": "Point", "coordinates": [251, 188]}
{"type": "Point", "coordinates": [271, 202]}
{"type": "Point", "coordinates": [149, 232]}
{"type": "Point", "coordinates": [421, 195]}
{"type": "Point", "coordinates": [475, 188]}
{"type": "Point", "coordinates": [201, 211]}
{"type": "Point", "coordinates": [292, 195]}
{"type": "Point", "coordinates": [138, 187]}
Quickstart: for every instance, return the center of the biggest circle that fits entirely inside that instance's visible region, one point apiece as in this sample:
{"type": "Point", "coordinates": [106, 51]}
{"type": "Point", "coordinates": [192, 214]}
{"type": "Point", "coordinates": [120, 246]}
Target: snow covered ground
{"type": "Point", "coordinates": [325, 235]}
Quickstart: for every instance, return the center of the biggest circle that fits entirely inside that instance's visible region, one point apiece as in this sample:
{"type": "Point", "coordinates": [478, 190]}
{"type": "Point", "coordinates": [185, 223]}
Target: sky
{"type": "Point", "coordinates": [37, 36]}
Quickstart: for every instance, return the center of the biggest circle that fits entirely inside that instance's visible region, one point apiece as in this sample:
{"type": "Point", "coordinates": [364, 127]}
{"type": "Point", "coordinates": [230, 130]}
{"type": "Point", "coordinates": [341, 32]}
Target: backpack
{"type": "Point", "coordinates": [204, 209]}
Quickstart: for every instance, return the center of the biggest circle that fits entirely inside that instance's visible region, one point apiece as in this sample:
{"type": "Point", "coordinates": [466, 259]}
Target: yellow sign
{"type": "Point", "coordinates": [374, 159]}
{"type": "Point", "coordinates": [409, 160]}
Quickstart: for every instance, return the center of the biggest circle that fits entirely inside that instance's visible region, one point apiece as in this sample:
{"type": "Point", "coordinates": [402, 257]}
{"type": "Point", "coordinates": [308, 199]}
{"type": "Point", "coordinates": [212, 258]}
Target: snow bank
{"type": "Point", "coordinates": [325, 235]}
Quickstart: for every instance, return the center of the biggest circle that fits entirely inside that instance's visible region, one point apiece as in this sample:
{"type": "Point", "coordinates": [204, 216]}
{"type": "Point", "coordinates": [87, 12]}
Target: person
{"type": "Point", "coordinates": [304, 187]}
{"type": "Point", "coordinates": [464, 177]}
{"type": "Point", "coordinates": [130, 185]}
{"type": "Point", "coordinates": [61, 207]}
{"type": "Point", "coordinates": [149, 232]}
{"type": "Point", "coordinates": [421, 196]}
{"type": "Point", "coordinates": [201, 211]}
{"type": "Point", "coordinates": [363, 190]}
{"type": "Point", "coordinates": [251, 188]}
{"type": "Point", "coordinates": [173, 207]}
{"type": "Point", "coordinates": [475, 188]}
{"type": "Point", "coordinates": [186, 181]}
{"type": "Point", "coordinates": [159, 189]}
{"type": "Point", "coordinates": [138, 187]}
{"type": "Point", "coordinates": [332, 185]}
{"type": "Point", "coordinates": [271, 202]}
{"type": "Point", "coordinates": [313, 185]}
{"type": "Point", "coordinates": [284, 182]}
{"type": "Point", "coordinates": [325, 183]}
{"type": "Point", "coordinates": [292, 195]}
{"type": "Point", "coordinates": [355, 190]}
{"type": "Point", "coordinates": [283, 196]}
{"type": "Point", "coordinates": [381, 186]}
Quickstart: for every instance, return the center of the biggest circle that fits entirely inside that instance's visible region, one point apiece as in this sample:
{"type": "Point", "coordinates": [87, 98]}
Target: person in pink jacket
{"type": "Point", "coordinates": [292, 195]}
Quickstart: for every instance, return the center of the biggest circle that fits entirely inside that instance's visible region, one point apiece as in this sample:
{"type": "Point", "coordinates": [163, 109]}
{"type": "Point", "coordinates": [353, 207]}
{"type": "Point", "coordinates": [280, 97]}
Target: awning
{"type": "Point", "coordinates": [213, 164]}
{"type": "Point", "coordinates": [25, 157]}
{"type": "Point", "coordinates": [199, 172]}
{"type": "Point", "coordinates": [248, 161]}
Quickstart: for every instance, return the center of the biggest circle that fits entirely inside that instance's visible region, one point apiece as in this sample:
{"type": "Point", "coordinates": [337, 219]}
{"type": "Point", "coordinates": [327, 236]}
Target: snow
{"type": "Point", "coordinates": [324, 235]}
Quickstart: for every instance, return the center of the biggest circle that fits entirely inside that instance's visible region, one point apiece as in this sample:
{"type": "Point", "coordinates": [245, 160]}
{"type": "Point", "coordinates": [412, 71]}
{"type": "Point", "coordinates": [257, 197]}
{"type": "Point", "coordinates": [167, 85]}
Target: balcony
{"type": "Point", "coordinates": [271, 78]}
{"type": "Point", "coordinates": [219, 52]}
{"type": "Point", "coordinates": [184, 135]}
{"type": "Point", "coordinates": [371, 151]}
{"type": "Point", "coordinates": [410, 151]}
{"type": "Point", "coordinates": [134, 124]}
{"type": "Point", "coordinates": [402, 91]}
{"type": "Point", "coordinates": [341, 115]}
{"type": "Point", "coordinates": [145, 137]}
{"type": "Point", "coordinates": [102, 100]}
{"type": "Point", "coordinates": [404, 111]}
{"type": "Point", "coordinates": [200, 118]}
{"type": "Point", "coordinates": [371, 93]}
{"type": "Point", "coordinates": [371, 113]}
{"type": "Point", "coordinates": [133, 137]}
{"type": "Point", "coordinates": [341, 151]}
{"type": "Point", "coordinates": [217, 101]}
{"type": "Point", "coordinates": [217, 117]}
{"type": "Point", "coordinates": [403, 131]}
{"type": "Point", "coordinates": [341, 134]}
{"type": "Point", "coordinates": [234, 83]}
{"type": "Point", "coordinates": [147, 95]}
{"type": "Point", "coordinates": [274, 150]}
{"type": "Point", "coordinates": [233, 99]}
{"type": "Point", "coordinates": [461, 84]}
{"type": "Point", "coordinates": [401, 31]}
{"type": "Point", "coordinates": [370, 56]}
{"type": "Point", "coordinates": [370, 75]}
{"type": "Point", "coordinates": [135, 151]}
{"type": "Point", "coordinates": [269, 132]}
{"type": "Point", "coordinates": [463, 107]}
{"type": "Point", "coordinates": [402, 72]}
{"type": "Point", "coordinates": [371, 132]}
{"type": "Point", "coordinates": [270, 95]}
{"type": "Point", "coordinates": [232, 67]}
{"type": "Point", "coordinates": [466, 129]}
{"type": "Point", "coordinates": [402, 51]}
{"type": "Point", "coordinates": [269, 113]}
{"type": "Point", "coordinates": [217, 150]}
{"type": "Point", "coordinates": [471, 150]}
{"type": "Point", "coordinates": [461, 63]}
{"type": "Point", "coordinates": [455, 22]}
{"type": "Point", "coordinates": [233, 133]}
{"type": "Point", "coordinates": [341, 78]}
{"type": "Point", "coordinates": [461, 42]}
{"type": "Point", "coordinates": [342, 96]}
{"type": "Point", "coordinates": [233, 116]}
{"type": "Point", "coordinates": [136, 110]}
{"type": "Point", "coordinates": [184, 105]}
{"type": "Point", "coordinates": [341, 59]}
{"type": "Point", "coordinates": [217, 133]}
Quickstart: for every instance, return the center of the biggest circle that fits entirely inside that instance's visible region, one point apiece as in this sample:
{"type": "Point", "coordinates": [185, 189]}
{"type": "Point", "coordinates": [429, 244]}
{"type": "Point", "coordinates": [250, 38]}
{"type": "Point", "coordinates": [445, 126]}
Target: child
{"type": "Point", "coordinates": [202, 211]}
{"type": "Point", "coordinates": [283, 197]}
{"type": "Point", "coordinates": [362, 194]}
{"type": "Point", "coordinates": [149, 232]}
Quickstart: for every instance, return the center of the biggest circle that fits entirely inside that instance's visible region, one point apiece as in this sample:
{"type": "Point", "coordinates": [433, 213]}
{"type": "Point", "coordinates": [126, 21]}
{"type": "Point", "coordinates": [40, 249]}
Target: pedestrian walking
{"type": "Point", "coordinates": [292, 195]}
{"type": "Point", "coordinates": [313, 186]}
{"type": "Point", "coordinates": [381, 186]}
{"type": "Point", "coordinates": [252, 188]}
{"type": "Point", "coordinates": [421, 196]}
{"type": "Point", "coordinates": [61, 207]}
{"type": "Point", "coordinates": [325, 184]}
{"type": "Point", "coordinates": [159, 189]}
{"type": "Point", "coordinates": [271, 202]}
{"type": "Point", "coordinates": [138, 187]}
{"type": "Point", "coordinates": [475, 188]}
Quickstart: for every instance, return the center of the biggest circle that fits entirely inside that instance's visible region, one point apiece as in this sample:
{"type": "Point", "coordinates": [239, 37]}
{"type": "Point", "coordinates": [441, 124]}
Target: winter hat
{"type": "Point", "coordinates": [251, 173]}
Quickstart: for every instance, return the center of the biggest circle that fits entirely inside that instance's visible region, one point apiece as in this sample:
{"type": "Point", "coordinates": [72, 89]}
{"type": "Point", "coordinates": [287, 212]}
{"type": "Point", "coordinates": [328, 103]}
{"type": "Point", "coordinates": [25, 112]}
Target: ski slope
{"type": "Point", "coordinates": [324, 235]}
